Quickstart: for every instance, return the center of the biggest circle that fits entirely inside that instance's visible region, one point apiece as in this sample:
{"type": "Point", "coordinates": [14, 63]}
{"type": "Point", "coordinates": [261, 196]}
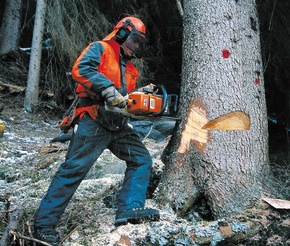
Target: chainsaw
{"type": "Point", "coordinates": [149, 103]}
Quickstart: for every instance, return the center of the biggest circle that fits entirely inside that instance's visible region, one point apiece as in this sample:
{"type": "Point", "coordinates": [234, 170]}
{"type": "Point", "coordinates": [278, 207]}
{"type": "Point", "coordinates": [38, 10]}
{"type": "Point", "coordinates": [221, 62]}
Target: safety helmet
{"type": "Point", "coordinates": [138, 24]}
{"type": "Point", "coordinates": [131, 31]}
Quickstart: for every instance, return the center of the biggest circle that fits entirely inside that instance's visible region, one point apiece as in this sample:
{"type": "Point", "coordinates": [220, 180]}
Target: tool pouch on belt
{"type": "Point", "coordinates": [67, 122]}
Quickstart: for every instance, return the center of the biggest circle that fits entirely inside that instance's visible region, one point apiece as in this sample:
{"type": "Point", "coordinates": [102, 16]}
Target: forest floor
{"type": "Point", "coordinates": [28, 161]}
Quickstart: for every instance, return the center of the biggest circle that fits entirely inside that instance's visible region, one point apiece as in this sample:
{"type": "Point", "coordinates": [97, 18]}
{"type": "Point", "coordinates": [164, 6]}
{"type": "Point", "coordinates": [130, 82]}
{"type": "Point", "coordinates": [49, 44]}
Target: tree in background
{"type": "Point", "coordinates": [10, 27]}
{"type": "Point", "coordinates": [32, 90]}
{"type": "Point", "coordinates": [224, 160]}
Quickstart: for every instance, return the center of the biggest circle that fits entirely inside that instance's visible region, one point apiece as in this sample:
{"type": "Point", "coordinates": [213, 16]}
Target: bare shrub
{"type": "Point", "coordinates": [72, 24]}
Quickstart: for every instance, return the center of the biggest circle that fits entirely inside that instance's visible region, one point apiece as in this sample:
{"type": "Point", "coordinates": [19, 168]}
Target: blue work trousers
{"type": "Point", "coordinates": [86, 145]}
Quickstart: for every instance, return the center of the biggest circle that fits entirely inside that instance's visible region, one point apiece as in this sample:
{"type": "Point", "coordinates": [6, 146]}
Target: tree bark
{"type": "Point", "coordinates": [31, 95]}
{"type": "Point", "coordinates": [10, 28]}
{"type": "Point", "coordinates": [221, 73]}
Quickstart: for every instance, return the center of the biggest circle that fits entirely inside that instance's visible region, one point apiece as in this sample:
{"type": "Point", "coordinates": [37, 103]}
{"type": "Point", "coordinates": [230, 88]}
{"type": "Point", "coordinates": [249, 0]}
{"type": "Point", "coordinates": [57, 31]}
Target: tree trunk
{"type": "Point", "coordinates": [10, 28]}
{"type": "Point", "coordinates": [221, 73]}
{"type": "Point", "coordinates": [31, 95]}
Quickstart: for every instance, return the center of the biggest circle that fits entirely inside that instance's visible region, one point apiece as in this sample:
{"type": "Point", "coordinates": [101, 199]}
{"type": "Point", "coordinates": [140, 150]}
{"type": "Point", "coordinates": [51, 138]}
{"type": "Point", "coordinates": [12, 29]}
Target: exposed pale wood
{"type": "Point", "coordinates": [232, 121]}
{"type": "Point", "coordinates": [277, 203]}
{"type": "Point", "coordinates": [193, 131]}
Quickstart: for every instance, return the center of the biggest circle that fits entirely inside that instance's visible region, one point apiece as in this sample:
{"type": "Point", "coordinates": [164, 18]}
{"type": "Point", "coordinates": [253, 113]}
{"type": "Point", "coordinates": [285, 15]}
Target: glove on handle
{"type": "Point", "coordinates": [113, 97]}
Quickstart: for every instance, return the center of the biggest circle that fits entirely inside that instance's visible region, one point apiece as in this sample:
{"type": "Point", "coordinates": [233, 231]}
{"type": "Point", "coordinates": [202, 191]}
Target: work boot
{"type": "Point", "coordinates": [136, 216]}
{"type": "Point", "coordinates": [47, 234]}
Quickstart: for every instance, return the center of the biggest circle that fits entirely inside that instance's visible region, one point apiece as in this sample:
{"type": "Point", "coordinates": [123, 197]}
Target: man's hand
{"type": "Point", "coordinates": [113, 97]}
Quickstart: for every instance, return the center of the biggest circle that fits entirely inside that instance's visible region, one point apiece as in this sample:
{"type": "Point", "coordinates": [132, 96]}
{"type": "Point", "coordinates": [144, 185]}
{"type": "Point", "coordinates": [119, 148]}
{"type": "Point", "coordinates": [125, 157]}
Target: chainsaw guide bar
{"type": "Point", "coordinates": [149, 117]}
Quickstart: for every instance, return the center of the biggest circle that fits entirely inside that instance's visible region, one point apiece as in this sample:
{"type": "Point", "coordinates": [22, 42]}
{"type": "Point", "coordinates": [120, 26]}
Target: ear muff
{"type": "Point", "coordinates": [123, 33]}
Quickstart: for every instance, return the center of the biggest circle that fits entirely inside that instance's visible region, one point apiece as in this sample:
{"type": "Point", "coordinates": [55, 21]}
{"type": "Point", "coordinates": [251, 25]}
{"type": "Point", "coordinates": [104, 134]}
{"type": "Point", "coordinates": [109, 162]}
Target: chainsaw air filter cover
{"type": "Point", "coordinates": [141, 103]}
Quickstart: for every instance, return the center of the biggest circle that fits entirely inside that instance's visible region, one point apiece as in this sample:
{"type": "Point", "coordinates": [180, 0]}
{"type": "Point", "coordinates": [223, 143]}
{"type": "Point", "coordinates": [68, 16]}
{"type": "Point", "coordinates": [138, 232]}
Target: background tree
{"type": "Point", "coordinates": [221, 73]}
{"type": "Point", "coordinates": [32, 90]}
{"type": "Point", "coordinates": [10, 27]}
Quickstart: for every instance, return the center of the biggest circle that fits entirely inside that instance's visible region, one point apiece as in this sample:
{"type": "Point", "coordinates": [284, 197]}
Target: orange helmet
{"type": "Point", "coordinates": [130, 31]}
{"type": "Point", "coordinates": [138, 24]}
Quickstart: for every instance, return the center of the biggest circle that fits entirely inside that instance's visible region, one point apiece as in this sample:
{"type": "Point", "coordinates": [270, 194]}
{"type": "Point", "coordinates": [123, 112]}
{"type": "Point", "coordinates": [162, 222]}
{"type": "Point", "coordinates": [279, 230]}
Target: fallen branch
{"type": "Point", "coordinates": [17, 235]}
{"type": "Point", "coordinates": [29, 231]}
{"type": "Point", "coordinates": [69, 234]}
{"type": "Point", "coordinates": [179, 7]}
{"type": "Point", "coordinates": [12, 88]}
{"type": "Point", "coordinates": [7, 211]}
{"type": "Point", "coordinates": [12, 225]}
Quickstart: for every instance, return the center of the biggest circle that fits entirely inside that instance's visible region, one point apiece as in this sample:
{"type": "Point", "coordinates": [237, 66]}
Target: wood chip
{"type": "Point", "coordinates": [236, 120]}
{"type": "Point", "coordinates": [277, 203]}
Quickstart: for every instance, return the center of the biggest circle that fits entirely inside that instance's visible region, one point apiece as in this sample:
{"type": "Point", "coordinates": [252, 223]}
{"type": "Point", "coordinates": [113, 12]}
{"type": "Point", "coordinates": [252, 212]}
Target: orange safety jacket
{"type": "Point", "coordinates": [98, 67]}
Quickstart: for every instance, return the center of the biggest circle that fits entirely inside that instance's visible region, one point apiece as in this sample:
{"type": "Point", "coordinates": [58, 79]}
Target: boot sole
{"type": "Point", "coordinates": [134, 220]}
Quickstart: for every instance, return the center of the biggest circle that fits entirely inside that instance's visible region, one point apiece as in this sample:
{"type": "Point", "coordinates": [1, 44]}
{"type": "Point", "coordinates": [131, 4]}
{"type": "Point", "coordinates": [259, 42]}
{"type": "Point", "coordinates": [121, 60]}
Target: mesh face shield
{"type": "Point", "coordinates": [136, 43]}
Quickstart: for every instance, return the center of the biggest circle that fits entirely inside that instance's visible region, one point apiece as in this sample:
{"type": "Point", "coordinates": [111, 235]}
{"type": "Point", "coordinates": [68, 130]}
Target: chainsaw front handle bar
{"type": "Point", "coordinates": [164, 100]}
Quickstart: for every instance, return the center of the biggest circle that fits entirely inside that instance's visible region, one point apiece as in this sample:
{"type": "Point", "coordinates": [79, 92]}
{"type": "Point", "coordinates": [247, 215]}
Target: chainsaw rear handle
{"type": "Point", "coordinates": [130, 102]}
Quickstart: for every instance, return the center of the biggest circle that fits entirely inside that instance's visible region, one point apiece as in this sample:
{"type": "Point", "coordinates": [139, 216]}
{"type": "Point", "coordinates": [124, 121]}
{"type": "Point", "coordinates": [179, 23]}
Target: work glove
{"type": "Point", "coordinates": [113, 97]}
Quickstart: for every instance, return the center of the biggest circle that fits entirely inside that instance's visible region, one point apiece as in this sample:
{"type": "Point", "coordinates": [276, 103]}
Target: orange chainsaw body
{"type": "Point", "coordinates": [141, 103]}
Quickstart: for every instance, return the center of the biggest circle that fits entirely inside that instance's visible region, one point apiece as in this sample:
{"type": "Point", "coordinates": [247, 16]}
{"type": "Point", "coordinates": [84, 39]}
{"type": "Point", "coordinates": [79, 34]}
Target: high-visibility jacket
{"type": "Point", "coordinates": [98, 67]}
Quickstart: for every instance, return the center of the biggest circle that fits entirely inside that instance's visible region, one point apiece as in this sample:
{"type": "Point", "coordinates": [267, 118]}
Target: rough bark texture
{"type": "Point", "coordinates": [222, 73]}
{"type": "Point", "coordinates": [31, 95]}
{"type": "Point", "coordinates": [10, 28]}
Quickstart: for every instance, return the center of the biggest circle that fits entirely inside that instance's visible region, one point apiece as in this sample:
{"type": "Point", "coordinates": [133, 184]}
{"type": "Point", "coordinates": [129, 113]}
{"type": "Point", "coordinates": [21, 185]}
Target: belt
{"type": "Point", "coordinates": [86, 101]}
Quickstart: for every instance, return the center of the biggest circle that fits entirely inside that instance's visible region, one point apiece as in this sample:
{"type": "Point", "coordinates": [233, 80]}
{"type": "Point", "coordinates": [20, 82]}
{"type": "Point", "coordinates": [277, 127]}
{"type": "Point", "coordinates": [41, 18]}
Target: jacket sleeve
{"type": "Point", "coordinates": [85, 69]}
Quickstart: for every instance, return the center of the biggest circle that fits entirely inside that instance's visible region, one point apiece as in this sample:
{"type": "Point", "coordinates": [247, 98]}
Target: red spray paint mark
{"type": "Point", "coordinates": [257, 81]}
{"type": "Point", "coordinates": [225, 53]}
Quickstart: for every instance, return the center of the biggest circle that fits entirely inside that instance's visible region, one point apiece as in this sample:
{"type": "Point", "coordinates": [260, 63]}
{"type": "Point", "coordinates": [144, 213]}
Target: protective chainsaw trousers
{"type": "Point", "coordinates": [86, 145]}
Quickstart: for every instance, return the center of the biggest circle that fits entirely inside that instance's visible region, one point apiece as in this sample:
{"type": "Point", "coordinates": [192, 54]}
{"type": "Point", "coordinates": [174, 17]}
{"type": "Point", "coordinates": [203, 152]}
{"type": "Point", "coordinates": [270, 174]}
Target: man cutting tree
{"type": "Point", "coordinates": [104, 74]}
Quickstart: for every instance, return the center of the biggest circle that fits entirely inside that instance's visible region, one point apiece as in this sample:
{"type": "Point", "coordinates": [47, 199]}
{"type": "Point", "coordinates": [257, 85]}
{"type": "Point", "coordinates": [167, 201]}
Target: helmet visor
{"type": "Point", "coordinates": [136, 43]}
